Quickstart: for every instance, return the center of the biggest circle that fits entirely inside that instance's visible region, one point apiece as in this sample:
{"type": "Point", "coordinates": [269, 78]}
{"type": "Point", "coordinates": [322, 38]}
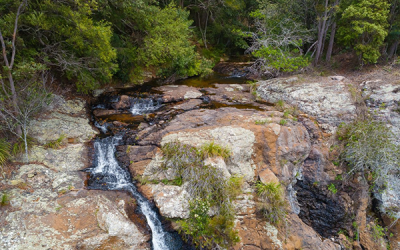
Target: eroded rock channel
{"type": "Point", "coordinates": [127, 203]}
{"type": "Point", "coordinates": [227, 114]}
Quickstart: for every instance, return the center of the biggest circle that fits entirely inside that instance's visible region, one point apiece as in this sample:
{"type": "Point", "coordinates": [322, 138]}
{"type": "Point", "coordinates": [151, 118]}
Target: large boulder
{"type": "Point", "coordinates": [50, 209]}
{"type": "Point", "coordinates": [171, 200]}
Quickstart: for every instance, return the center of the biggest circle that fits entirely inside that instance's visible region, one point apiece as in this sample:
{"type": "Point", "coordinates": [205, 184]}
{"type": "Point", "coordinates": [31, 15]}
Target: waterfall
{"type": "Point", "coordinates": [142, 106]}
{"type": "Point", "coordinates": [107, 174]}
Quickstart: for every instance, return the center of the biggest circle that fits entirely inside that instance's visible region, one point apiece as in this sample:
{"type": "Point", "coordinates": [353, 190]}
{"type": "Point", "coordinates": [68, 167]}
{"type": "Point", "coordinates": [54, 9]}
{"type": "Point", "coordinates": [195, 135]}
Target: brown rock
{"type": "Point", "coordinates": [104, 112]}
{"type": "Point", "coordinates": [123, 103]}
{"type": "Point", "coordinates": [191, 104]}
{"type": "Point", "coordinates": [267, 176]}
{"type": "Point", "coordinates": [176, 93]}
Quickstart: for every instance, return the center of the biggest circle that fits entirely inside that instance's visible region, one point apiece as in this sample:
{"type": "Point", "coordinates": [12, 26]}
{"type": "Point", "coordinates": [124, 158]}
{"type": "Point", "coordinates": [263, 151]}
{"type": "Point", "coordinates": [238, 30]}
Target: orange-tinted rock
{"type": "Point", "coordinates": [124, 102]}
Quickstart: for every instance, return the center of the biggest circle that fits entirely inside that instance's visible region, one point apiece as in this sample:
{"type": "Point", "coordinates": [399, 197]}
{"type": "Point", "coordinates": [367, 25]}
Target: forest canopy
{"type": "Point", "coordinates": [92, 42]}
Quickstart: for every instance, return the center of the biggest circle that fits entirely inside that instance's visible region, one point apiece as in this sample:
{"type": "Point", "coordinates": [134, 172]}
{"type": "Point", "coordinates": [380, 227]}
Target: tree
{"type": "Point", "coordinates": [277, 42]}
{"type": "Point", "coordinates": [65, 37]}
{"type": "Point", "coordinates": [32, 96]}
{"type": "Point", "coordinates": [363, 26]}
{"type": "Point", "coordinates": [25, 94]}
{"type": "Point", "coordinates": [393, 37]}
{"type": "Point", "coordinates": [9, 60]}
{"type": "Point", "coordinates": [325, 13]}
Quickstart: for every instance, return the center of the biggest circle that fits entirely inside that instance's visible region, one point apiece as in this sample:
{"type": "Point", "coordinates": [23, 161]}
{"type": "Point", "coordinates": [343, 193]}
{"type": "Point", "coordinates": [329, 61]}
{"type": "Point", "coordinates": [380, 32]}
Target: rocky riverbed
{"type": "Point", "coordinates": [51, 208]}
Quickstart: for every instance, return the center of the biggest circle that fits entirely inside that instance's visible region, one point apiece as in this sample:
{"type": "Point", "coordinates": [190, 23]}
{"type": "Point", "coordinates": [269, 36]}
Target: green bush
{"type": "Point", "coordinates": [370, 150]}
{"type": "Point", "coordinates": [281, 61]}
{"type": "Point", "coordinates": [211, 150]}
{"type": "Point", "coordinates": [273, 203]}
{"type": "Point", "coordinates": [332, 188]}
{"type": "Point", "coordinates": [207, 188]}
{"type": "Point", "coordinates": [377, 230]}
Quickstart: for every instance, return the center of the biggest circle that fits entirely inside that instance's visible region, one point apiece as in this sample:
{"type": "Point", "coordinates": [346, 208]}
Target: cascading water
{"type": "Point", "coordinates": [146, 105]}
{"type": "Point", "coordinates": [107, 174]}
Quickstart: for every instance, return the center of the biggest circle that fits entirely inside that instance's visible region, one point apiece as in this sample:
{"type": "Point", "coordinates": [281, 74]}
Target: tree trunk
{"type": "Point", "coordinates": [331, 40]}
{"type": "Point", "coordinates": [26, 144]}
{"type": "Point", "coordinates": [393, 48]}
{"type": "Point", "coordinates": [321, 33]}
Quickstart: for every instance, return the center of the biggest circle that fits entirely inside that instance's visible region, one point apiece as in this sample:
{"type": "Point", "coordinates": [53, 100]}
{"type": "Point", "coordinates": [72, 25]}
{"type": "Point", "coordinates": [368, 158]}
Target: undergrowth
{"type": "Point", "coordinates": [209, 192]}
{"type": "Point", "coordinates": [273, 205]}
{"type": "Point", "coordinates": [370, 150]}
{"type": "Point", "coordinates": [5, 199]}
{"type": "Point", "coordinates": [19, 146]}
{"type": "Point", "coordinates": [56, 144]}
{"type": "Point", "coordinates": [5, 148]}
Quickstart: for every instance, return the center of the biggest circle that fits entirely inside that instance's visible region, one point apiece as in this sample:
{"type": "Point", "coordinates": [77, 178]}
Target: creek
{"type": "Point", "coordinates": [107, 173]}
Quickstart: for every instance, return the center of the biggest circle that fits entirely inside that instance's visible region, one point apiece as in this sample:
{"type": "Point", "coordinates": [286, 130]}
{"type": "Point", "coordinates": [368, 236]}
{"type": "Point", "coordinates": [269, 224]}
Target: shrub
{"type": "Point", "coordinates": [370, 150]}
{"type": "Point", "coordinates": [377, 231]}
{"type": "Point", "coordinates": [273, 201]}
{"type": "Point", "coordinates": [56, 143]}
{"type": "Point", "coordinates": [332, 188]}
{"type": "Point", "coordinates": [211, 150]}
{"type": "Point", "coordinates": [207, 188]}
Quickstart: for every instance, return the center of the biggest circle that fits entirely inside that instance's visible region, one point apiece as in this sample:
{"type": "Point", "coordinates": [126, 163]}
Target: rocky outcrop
{"type": "Point", "coordinates": [266, 151]}
{"type": "Point", "coordinates": [67, 118]}
{"type": "Point", "coordinates": [175, 93]}
{"type": "Point", "coordinates": [329, 101]}
{"type": "Point", "coordinates": [50, 208]}
{"type": "Point", "coordinates": [238, 140]}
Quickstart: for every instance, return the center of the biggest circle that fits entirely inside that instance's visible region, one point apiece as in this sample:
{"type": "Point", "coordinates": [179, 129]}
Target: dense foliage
{"type": "Point", "coordinates": [370, 149]}
{"type": "Point", "coordinates": [210, 194]}
{"type": "Point", "coordinates": [364, 27]}
{"type": "Point", "coordinates": [273, 204]}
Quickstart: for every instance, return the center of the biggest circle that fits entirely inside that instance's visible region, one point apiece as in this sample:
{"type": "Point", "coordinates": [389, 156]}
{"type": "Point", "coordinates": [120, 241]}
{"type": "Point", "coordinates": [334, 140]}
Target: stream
{"type": "Point", "coordinates": [107, 173]}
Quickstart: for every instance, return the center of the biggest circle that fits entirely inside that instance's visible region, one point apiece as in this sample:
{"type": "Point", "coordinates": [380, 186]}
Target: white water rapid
{"type": "Point", "coordinates": [146, 105]}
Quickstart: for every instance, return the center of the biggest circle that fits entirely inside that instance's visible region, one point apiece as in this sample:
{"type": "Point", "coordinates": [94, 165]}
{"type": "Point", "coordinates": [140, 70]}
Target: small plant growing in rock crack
{"type": "Point", "coordinates": [211, 150]}
{"type": "Point", "coordinates": [5, 199]}
{"type": "Point", "coordinates": [286, 114]}
{"type": "Point", "coordinates": [282, 122]}
{"type": "Point", "coordinates": [357, 234]}
{"type": "Point", "coordinates": [332, 188]}
{"type": "Point", "coordinates": [370, 150]}
{"type": "Point", "coordinates": [273, 203]}
{"type": "Point", "coordinates": [377, 231]}
{"type": "Point", "coordinates": [339, 177]}
{"type": "Point", "coordinates": [280, 105]}
{"type": "Point", "coordinates": [207, 188]}
{"type": "Point", "coordinates": [56, 144]}
{"type": "Point", "coordinates": [262, 122]}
